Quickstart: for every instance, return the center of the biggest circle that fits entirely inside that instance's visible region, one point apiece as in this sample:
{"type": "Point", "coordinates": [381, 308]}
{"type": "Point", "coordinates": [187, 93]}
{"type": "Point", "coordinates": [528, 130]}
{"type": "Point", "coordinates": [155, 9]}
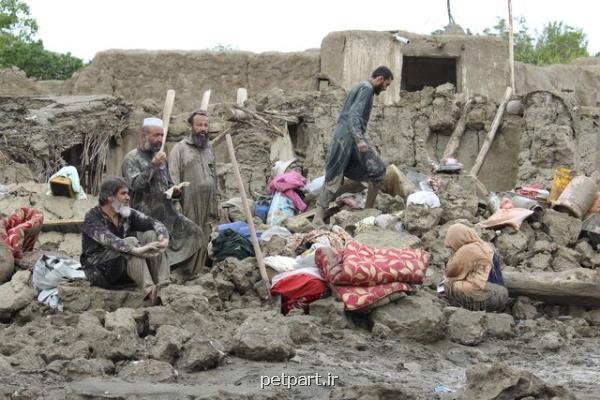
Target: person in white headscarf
{"type": "Point", "coordinates": [146, 171]}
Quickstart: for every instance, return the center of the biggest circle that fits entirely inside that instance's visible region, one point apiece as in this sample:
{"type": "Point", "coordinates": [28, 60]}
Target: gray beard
{"type": "Point", "coordinates": [200, 140]}
{"type": "Point", "coordinates": [152, 148]}
{"type": "Point", "coordinates": [121, 209]}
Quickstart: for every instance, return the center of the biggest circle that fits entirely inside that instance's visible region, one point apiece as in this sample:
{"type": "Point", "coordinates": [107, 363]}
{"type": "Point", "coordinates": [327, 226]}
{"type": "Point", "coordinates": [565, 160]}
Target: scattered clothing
{"type": "Point", "coordinates": [287, 184]}
{"type": "Point", "coordinates": [147, 185]}
{"type": "Point", "coordinates": [513, 217]}
{"type": "Point", "coordinates": [48, 272]}
{"type": "Point", "coordinates": [362, 277]}
{"type": "Point", "coordinates": [231, 244]}
{"type": "Point", "coordinates": [280, 263]}
{"type": "Point", "coordinates": [299, 288]}
{"type": "Point", "coordinates": [240, 228]}
{"type": "Point", "coordinates": [71, 173]}
{"type": "Point", "coordinates": [281, 209]}
{"type": "Point", "coordinates": [275, 231]}
{"type": "Point", "coordinates": [22, 229]}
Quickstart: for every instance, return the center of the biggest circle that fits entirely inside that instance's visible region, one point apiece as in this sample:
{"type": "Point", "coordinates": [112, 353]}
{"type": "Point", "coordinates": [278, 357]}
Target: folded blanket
{"type": "Point", "coordinates": [362, 266]}
{"type": "Point", "coordinates": [22, 229]}
{"type": "Point", "coordinates": [363, 277]}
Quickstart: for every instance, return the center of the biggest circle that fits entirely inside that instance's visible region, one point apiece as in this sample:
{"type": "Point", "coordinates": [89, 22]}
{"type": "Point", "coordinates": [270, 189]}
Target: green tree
{"type": "Point", "coordinates": [19, 48]}
{"type": "Point", "coordinates": [557, 43]}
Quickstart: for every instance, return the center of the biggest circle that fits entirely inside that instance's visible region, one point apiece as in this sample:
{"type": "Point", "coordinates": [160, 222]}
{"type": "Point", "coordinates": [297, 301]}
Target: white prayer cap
{"type": "Point", "coordinates": [153, 122]}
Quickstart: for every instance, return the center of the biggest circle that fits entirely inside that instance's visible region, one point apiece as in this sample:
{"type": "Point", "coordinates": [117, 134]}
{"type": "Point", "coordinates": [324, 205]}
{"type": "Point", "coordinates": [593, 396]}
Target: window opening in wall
{"type": "Point", "coordinates": [418, 72]}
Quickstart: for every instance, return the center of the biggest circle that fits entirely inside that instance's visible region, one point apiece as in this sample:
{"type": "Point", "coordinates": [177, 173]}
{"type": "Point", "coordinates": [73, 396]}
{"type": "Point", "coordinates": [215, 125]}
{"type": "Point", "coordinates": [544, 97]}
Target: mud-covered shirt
{"type": "Point", "coordinates": [100, 235]}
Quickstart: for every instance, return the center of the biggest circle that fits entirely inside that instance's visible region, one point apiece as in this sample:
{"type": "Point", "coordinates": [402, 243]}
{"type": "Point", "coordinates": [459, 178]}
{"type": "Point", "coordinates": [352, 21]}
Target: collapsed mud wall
{"type": "Point", "coordinates": [138, 75]}
{"type": "Point", "coordinates": [578, 81]}
{"type": "Point", "coordinates": [46, 133]}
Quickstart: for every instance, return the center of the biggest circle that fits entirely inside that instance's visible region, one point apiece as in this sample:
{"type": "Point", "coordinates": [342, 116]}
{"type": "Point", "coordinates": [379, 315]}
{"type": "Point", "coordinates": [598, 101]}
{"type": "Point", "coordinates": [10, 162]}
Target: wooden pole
{"type": "Point", "coordinates": [205, 100]}
{"type": "Point", "coordinates": [253, 237]}
{"type": "Point", "coordinates": [166, 115]}
{"type": "Point", "coordinates": [491, 134]}
{"type": "Point", "coordinates": [511, 54]}
{"type": "Point", "coordinates": [457, 134]}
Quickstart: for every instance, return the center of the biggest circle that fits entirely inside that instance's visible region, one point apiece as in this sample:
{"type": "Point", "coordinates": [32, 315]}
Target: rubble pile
{"type": "Point", "coordinates": [217, 335]}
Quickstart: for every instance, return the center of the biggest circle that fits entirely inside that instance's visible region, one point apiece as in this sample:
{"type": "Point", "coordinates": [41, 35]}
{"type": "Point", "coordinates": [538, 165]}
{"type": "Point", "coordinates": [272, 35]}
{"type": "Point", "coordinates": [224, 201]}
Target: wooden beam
{"type": "Point", "coordinates": [166, 115]}
{"type": "Point", "coordinates": [577, 287]}
{"type": "Point", "coordinates": [205, 100]}
{"type": "Point", "coordinates": [457, 134]}
{"type": "Point", "coordinates": [63, 225]}
{"type": "Point", "coordinates": [249, 218]}
{"type": "Point", "coordinates": [491, 134]}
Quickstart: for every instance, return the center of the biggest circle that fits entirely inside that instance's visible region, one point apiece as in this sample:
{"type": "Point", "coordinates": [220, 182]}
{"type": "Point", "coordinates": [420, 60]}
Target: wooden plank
{"type": "Point", "coordinates": [577, 287]}
{"type": "Point", "coordinates": [63, 225]}
{"type": "Point", "coordinates": [492, 133]}
{"type": "Point", "coordinates": [166, 115]}
{"type": "Point", "coordinates": [205, 100]}
{"type": "Point", "coordinates": [457, 134]}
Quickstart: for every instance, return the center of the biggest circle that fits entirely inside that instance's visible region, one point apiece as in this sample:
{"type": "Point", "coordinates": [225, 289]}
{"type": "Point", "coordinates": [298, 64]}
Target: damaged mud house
{"type": "Point", "coordinates": [216, 336]}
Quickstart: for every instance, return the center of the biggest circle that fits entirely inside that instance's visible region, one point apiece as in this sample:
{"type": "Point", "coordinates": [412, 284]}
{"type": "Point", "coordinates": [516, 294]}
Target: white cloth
{"type": "Point", "coordinates": [153, 122]}
{"type": "Point", "coordinates": [280, 263]}
{"type": "Point", "coordinates": [274, 231]}
{"type": "Point", "coordinates": [424, 198]}
{"type": "Point", "coordinates": [71, 173]}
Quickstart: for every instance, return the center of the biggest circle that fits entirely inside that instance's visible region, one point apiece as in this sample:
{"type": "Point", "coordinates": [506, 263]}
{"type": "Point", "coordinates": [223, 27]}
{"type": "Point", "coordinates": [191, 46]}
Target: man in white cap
{"type": "Point", "coordinates": [146, 172]}
{"type": "Point", "coordinates": [192, 160]}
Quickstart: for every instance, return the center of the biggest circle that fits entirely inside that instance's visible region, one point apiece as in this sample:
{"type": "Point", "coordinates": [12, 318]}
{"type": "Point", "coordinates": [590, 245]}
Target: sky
{"type": "Point", "coordinates": [84, 27]}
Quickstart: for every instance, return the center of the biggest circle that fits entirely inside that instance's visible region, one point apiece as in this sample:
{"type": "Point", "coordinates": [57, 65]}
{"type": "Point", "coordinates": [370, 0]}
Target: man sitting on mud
{"type": "Point", "coordinates": [112, 256]}
{"type": "Point", "coordinates": [146, 172]}
{"type": "Point", "coordinates": [350, 153]}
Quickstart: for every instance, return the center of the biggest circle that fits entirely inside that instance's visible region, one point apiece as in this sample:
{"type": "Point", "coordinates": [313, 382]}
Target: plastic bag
{"type": "Point", "coordinates": [49, 270]}
{"type": "Point", "coordinates": [71, 173]}
{"type": "Point", "coordinates": [424, 198]}
{"type": "Point", "coordinates": [315, 186]}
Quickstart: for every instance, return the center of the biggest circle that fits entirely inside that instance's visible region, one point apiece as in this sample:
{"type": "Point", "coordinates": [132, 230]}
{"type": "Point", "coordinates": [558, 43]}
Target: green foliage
{"type": "Point", "coordinates": [556, 44]}
{"type": "Point", "coordinates": [19, 48]}
{"type": "Point", "coordinates": [16, 21]}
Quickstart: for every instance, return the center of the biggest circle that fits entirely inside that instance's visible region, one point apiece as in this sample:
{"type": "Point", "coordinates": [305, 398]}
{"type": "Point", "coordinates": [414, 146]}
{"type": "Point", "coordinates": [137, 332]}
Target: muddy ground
{"type": "Point", "coordinates": [215, 338]}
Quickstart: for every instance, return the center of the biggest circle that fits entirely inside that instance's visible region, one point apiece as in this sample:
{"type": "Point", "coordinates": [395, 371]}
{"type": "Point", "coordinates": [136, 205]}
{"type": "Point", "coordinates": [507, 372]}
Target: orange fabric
{"type": "Point", "coordinates": [507, 216]}
{"type": "Point", "coordinates": [471, 262]}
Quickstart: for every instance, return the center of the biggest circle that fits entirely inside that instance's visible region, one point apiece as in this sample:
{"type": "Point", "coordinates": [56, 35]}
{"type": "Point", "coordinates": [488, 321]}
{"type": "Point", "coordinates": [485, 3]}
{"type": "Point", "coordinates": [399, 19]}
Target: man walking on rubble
{"type": "Point", "coordinates": [112, 256]}
{"type": "Point", "coordinates": [192, 160]}
{"type": "Point", "coordinates": [350, 153]}
{"type": "Point", "coordinates": [146, 172]}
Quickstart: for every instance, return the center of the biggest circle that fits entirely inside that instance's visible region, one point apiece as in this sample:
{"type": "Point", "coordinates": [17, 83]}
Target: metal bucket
{"type": "Point", "coordinates": [577, 198]}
